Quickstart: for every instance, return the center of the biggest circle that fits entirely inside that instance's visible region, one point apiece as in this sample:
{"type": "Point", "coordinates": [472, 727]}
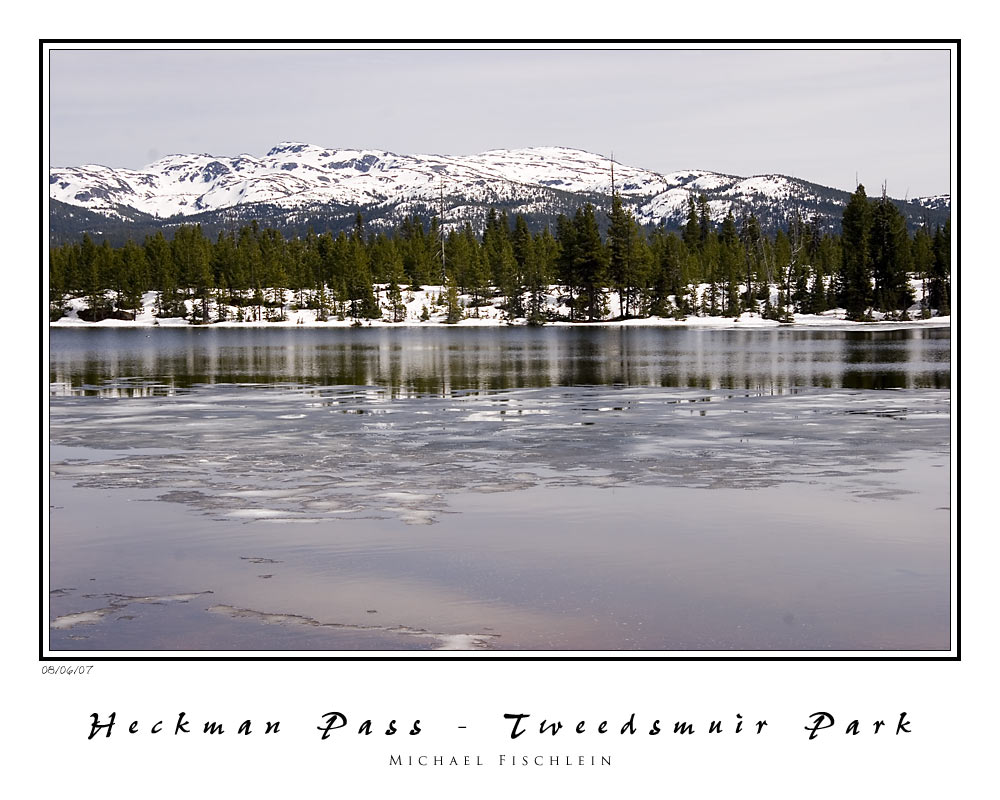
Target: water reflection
{"type": "Point", "coordinates": [439, 362]}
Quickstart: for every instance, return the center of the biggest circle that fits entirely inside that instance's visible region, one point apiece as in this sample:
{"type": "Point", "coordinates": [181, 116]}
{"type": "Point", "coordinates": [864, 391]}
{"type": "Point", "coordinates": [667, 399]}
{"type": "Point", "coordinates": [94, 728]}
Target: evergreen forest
{"type": "Point", "coordinates": [601, 265]}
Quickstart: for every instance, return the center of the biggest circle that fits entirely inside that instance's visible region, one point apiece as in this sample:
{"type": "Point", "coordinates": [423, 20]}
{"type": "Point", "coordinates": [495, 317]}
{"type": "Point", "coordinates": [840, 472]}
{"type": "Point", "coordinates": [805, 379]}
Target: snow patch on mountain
{"type": "Point", "coordinates": [296, 175]}
{"type": "Point", "coordinates": [934, 201]}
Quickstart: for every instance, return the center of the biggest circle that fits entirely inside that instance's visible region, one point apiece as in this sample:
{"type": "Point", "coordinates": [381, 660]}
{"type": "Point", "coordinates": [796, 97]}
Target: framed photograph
{"type": "Point", "coordinates": [594, 370]}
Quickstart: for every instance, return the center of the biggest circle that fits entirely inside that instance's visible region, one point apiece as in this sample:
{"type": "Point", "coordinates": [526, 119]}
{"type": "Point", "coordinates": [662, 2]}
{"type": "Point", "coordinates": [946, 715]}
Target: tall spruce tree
{"type": "Point", "coordinates": [704, 220]}
{"type": "Point", "coordinates": [132, 278]}
{"type": "Point", "coordinates": [922, 258]}
{"type": "Point", "coordinates": [453, 304]}
{"type": "Point", "coordinates": [93, 284]}
{"type": "Point", "coordinates": [855, 270]}
{"type": "Point", "coordinates": [890, 248]}
{"type": "Point", "coordinates": [58, 259]}
{"type": "Point", "coordinates": [729, 265]}
{"type": "Point", "coordinates": [628, 257]}
{"type": "Point", "coordinates": [476, 281]}
{"type": "Point", "coordinates": [940, 288]}
{"type": "Point", "coordinates": [566, 273]}
{"type": "Point", "coordinates": [692, 228]}
{"type": "Point", "coordinates": [750, 236]}
{"type": "Point", "coordinates": [591, 263]}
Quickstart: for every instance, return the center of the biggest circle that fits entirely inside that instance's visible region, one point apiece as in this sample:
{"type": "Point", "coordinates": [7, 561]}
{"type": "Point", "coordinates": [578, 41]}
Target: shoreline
{"type": "Point", "coordinates": [423, 310]}
{"type": "Point", "coordinates": [747, 321]}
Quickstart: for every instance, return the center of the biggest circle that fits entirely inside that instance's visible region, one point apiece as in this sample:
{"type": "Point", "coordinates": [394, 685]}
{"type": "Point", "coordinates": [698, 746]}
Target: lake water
{"type": "Point", "coordinates": [585, 488]}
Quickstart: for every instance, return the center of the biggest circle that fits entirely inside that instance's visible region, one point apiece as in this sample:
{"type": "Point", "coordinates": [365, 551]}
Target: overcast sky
{"type": "Point", "coordinates": [824, 116]}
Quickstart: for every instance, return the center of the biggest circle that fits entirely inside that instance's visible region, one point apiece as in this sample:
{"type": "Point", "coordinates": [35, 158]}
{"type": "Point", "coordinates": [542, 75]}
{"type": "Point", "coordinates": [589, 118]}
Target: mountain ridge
{"type": "Point", "coordinates": [296, 183]}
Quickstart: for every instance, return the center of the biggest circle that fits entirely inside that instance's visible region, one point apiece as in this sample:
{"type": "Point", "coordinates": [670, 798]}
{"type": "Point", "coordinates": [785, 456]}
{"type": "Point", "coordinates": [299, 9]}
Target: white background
{"type": "Point", "coordinates": [951, 704]}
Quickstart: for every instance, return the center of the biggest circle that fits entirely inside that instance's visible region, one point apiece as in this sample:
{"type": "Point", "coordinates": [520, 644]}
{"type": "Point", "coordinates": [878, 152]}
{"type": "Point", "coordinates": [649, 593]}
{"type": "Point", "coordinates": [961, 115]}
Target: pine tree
{"type": "Point", "coordinates": [248, 269]}
{"type": "Point", "coordinates": [312, 265]}
{"type": "Point", "coordinates": [452, 301]}
{"type": "Point", "coordinates": [785, 260]}
{"type": "Point", "coordinates": [495, 235]}
{"type": "Point", "coordinates": [800, 290]}
{"type": "Point", "coordinates": [418, 251]}
{"type": "Point", "coordinates": [795, 277]}
{"type": "Point", "coordinates": [200, 266]}
{"type": "Point", "coordinates": [546, 254]}
{"type": "Point", "coordinates": [221, 290]}
{"type": "Point", "coordinates": [890, 249]}
{"type": "Point", "coordinates": [856, 226]}
{"type": "Point", "coordinates": [58, 260]}
{"type": "Point", "coordinates": [667, 256]}
{"type": "Point", "coordinates": [536, 278]}
{"type": "Point", "coordinates": [940, 285]}
{"type": "Point", "coordinates": [687, 302]}
{"type": "Point", "coordinates": [827, 270]}
{"type": "Point", "coordinates": [358, 278]}
{"type": "Point", "coordinates": [628, 257]}
{"type": "Point", "coordinates": [163, 274]}
{"type": "Point", "coordinates": [295, 270]}
{"type": "Point", "coordinates": [322, 303]}
{"type": "Point", "coordinates": [224, 265]}
{"type": "Point", "coordinates": [395, 277]}
{"type": "Point", "coordinates": [817, 303]}
{"type": "Point", "coordinates": [704, 220]}
{"type": "Point", "coordinates": [508, 280]}
{"type": "Point", "coordinates": [591, 263]}
{"type": "Point", "coordinates": [923, 264]}
{"type": "Point", "coordinates": [750, 239]}
{"type": "Point", "coordinates": [729, 265]}
{"type": "Point", "coordinates": [520, 240]}
{"type": "Point", "coordinates": [274, 277]}
{"type": "Point", "coordinates": [132, 279]}
{"type": "Point", "coordinates": [711, 264]}
{"type": "Point", "coordinates": [692, 228]}
{"type": "Point", "coordinates": [92, 274]}
{"type": "Point", "coordinates": [566, 260]}
{"type": "Point", "coordinates": [476, 282]}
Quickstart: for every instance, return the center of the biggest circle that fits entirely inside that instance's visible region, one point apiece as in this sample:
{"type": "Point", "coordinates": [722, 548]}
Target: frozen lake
{"type": "Point", "coordinates": [505, 489]}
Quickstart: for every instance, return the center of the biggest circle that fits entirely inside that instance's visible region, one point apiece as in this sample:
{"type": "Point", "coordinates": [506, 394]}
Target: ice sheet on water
{"type": "Point", "coordinates": [116, 604]}
{"type": "Point", "coordinates": [230, 457]}
{"type": "Point", "coordinates": [255, 513]}
{"type": "Point", "coordinates": [82, 618]}
{"type": "Point", "coordinates": [445, 641]}
{"type": "Point", "coordinates": [116, 610]}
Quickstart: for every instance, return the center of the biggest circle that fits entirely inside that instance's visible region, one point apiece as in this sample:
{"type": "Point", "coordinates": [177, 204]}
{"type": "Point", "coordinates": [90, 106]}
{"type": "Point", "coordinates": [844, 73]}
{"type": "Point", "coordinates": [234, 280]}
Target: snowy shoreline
{"type": "Point", "coordinates": [417, 302]}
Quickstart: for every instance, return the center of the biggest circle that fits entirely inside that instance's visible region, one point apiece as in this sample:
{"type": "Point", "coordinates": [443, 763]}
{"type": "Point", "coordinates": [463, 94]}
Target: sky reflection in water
{"type": "Point", "coordinates": [508, 489]}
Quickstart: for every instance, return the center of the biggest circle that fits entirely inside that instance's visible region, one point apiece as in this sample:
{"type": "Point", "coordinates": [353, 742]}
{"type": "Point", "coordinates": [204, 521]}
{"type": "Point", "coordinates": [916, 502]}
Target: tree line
{"type": "Point", "coordinates": [627, 271]}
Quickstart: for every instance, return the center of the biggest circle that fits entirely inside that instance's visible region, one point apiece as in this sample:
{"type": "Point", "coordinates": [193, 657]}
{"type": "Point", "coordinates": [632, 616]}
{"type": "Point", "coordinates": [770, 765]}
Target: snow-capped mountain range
{"type": "Point", "coordinates": [295, 182]}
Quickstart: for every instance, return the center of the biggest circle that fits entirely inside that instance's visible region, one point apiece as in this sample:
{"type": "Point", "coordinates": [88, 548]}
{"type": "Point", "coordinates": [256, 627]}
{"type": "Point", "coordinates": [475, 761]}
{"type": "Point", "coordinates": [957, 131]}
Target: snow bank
{"type": "Point", "coordinates": [431, 299]}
